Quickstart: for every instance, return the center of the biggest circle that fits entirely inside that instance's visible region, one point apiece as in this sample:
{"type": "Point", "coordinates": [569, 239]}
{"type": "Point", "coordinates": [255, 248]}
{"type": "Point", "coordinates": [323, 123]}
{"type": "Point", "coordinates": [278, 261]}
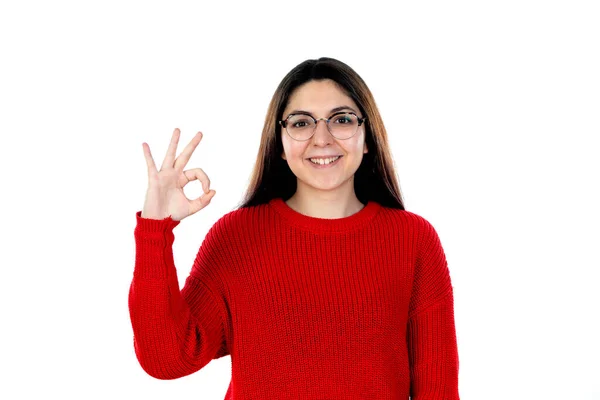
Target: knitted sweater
{"type": "Point", "coordinates": [359, 307]}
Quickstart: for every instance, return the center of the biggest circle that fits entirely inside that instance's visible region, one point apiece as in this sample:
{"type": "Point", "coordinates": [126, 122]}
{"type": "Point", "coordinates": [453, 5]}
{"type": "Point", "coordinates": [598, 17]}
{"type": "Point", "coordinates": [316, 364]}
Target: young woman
{"type": "Point", "coordinates": [320, 285]}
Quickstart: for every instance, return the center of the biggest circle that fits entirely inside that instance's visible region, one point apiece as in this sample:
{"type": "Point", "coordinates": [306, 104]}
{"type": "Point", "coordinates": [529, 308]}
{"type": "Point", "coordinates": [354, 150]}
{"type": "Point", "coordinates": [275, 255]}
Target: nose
{"type": "Point", "coordinates": [322, 135]}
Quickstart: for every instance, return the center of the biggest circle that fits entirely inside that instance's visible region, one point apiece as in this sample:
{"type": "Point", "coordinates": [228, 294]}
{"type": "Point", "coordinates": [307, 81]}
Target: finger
{"type": "Point", "coordinates": [149, 159]}
{"type": "Point", "coordinates": [198, 173]}
{"type": "Point", "coordinates": [185, 155]}
{"type": "Point", "coordinates": [170, 156]}
{"type": "Point", "coordinates": [201, 202]}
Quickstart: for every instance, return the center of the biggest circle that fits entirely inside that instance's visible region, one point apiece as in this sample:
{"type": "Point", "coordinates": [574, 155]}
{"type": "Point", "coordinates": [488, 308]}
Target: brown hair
{"type": "Point", "coordinates": [375, 179]}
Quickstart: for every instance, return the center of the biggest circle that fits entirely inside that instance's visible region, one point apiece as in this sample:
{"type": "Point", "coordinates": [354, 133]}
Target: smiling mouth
{"type": "Point", "coordinates": [324, 161]}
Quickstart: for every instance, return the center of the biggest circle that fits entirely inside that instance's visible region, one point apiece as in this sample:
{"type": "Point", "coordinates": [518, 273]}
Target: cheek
{"type": "Point", "coordinates": [286, 147]}
{"type": "Point", "coordinates": [360, 144]}
{"type": "Point", "coordinates": [356, 146]}
{"type": "Point", "coordinates": [293, 150]}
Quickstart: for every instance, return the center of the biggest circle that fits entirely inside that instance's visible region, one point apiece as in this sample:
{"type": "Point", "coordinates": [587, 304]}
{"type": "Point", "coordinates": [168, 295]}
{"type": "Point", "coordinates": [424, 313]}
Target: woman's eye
{"type": "Point", "coordinates": [342, 120]}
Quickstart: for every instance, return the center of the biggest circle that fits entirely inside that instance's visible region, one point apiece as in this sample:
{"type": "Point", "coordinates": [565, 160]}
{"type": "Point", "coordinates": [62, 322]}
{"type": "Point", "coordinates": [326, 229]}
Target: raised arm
{"type": "Point", "coordinates": [431, 333]}
{"type": "Point", "coordinates": [175, 332]}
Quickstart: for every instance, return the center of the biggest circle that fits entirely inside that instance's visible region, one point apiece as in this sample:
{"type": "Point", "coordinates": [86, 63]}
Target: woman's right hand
{"type": "Point", "coordinates": [165, 196]}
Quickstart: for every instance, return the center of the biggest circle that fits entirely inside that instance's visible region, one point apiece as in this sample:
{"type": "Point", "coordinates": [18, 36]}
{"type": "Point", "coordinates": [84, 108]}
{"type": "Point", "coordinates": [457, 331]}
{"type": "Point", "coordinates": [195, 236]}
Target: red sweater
{"type": "Point", "coordinates": [359, 307]}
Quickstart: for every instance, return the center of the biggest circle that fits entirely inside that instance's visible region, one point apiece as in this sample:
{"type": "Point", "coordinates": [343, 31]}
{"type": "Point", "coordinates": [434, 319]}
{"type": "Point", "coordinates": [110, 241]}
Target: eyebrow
{"type": "Point", "coordinates": [331, 112]}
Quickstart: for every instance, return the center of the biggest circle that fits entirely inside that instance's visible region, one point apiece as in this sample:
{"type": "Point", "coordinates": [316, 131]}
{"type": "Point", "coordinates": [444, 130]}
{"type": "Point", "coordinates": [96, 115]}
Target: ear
{"type": "Point", "coordinates": [365, 149]}
{"type": "Point", "coordinates": [283, 155]}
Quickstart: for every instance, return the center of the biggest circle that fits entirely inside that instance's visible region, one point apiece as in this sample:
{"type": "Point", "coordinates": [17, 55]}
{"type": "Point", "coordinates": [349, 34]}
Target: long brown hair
{"type": "Point", "coordinates": [375, 179]}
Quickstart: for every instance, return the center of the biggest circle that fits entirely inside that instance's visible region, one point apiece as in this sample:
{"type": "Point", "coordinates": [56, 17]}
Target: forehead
{"type": "Point", "coordinates": [318, 97]}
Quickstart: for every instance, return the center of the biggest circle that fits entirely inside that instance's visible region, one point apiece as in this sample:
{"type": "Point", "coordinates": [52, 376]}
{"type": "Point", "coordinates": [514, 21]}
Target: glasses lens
{"type": "Point", "coordinates": [300, 127]}
{"type": "Point", "coordinates": [343, 126]}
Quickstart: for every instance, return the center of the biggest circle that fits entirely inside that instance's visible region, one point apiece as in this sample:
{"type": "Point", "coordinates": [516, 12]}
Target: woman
{"type": "Point", "coordinates": [320, 285]}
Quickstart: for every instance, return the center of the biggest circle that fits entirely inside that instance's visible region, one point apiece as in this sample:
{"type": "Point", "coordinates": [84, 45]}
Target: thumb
{"type": "Point", "coordinates": [202, 201]}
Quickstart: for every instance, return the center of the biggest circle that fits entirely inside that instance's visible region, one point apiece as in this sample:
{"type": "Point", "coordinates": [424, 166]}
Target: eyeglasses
{"type": "Point", "coordinates": [341, 125]}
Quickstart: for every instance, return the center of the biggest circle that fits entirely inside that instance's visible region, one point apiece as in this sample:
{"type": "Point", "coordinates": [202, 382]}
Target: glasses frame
{"type": "Point", "coordinates": [283, 123]}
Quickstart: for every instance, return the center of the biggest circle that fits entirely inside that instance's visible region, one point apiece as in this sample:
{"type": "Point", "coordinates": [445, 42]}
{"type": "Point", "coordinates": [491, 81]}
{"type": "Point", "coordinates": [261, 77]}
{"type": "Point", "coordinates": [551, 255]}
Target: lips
{"type": "Point", "coordinates": [324, 162]}
{"type": "Point", "coordinates": [323, 157]}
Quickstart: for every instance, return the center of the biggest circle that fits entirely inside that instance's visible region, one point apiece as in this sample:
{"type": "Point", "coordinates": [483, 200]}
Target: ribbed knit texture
{"type": "Point", "coordinates": [359, 307]}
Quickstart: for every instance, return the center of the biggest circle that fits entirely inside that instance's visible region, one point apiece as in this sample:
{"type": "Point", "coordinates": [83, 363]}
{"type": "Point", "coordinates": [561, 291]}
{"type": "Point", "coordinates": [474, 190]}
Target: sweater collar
{"type": "Point", "coordinates": [320, 225]}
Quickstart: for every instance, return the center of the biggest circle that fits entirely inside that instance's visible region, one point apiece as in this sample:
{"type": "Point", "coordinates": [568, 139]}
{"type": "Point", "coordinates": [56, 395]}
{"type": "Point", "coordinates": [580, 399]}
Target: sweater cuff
{"type": "Point", "coordinates": [154, 243]}
{"type": "Point", "coordinates": [154, 225]}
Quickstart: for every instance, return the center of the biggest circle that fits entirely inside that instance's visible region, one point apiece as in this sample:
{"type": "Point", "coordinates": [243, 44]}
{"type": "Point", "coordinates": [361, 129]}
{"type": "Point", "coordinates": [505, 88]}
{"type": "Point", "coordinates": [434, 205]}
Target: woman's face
{"type": "Point", "coordinates": [319, 98]}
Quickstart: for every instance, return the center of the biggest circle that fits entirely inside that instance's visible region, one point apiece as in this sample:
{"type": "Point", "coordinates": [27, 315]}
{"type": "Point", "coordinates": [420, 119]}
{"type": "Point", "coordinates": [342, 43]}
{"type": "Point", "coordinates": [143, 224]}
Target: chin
{"type": "Point", "coordinates": [326, 186]}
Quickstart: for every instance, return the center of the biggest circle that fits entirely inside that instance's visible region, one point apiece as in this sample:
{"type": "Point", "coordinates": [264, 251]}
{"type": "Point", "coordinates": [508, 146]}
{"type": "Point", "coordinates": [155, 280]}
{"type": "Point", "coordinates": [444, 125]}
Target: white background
{"type": "Point", "coordinates": [492, 109]}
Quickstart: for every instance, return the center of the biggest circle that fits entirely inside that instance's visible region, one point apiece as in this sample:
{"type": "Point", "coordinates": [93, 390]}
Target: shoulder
{"type": "Point", "coordinates": [405, 219]}
{"type": "Point", "coordinates": [230, 235]}
{"type": "Point", "coordinates": [409, 225]}
{"type": "Point", "coordinates": [240, 220]}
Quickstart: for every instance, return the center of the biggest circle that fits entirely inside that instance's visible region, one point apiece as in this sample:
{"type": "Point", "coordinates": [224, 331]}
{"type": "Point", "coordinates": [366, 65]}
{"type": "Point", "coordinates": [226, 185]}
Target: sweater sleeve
{"type": "Point", "coordinates": [175, 333]}
{"type": "Point", "coordinates": [431, 333]}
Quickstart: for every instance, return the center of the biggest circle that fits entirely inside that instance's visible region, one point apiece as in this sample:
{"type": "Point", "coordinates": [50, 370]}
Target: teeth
{"type": "Point", "coordinates": [323, 161]}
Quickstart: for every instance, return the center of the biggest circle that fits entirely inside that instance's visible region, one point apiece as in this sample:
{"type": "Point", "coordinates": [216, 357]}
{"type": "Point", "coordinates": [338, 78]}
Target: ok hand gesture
{"type": "Point", "coordinates": [165, 196]}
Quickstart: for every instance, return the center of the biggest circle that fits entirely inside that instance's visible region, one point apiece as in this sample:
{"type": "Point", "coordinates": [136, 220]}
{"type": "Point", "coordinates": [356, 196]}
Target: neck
{"type": "Point", "coordinates": [325, 204]}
